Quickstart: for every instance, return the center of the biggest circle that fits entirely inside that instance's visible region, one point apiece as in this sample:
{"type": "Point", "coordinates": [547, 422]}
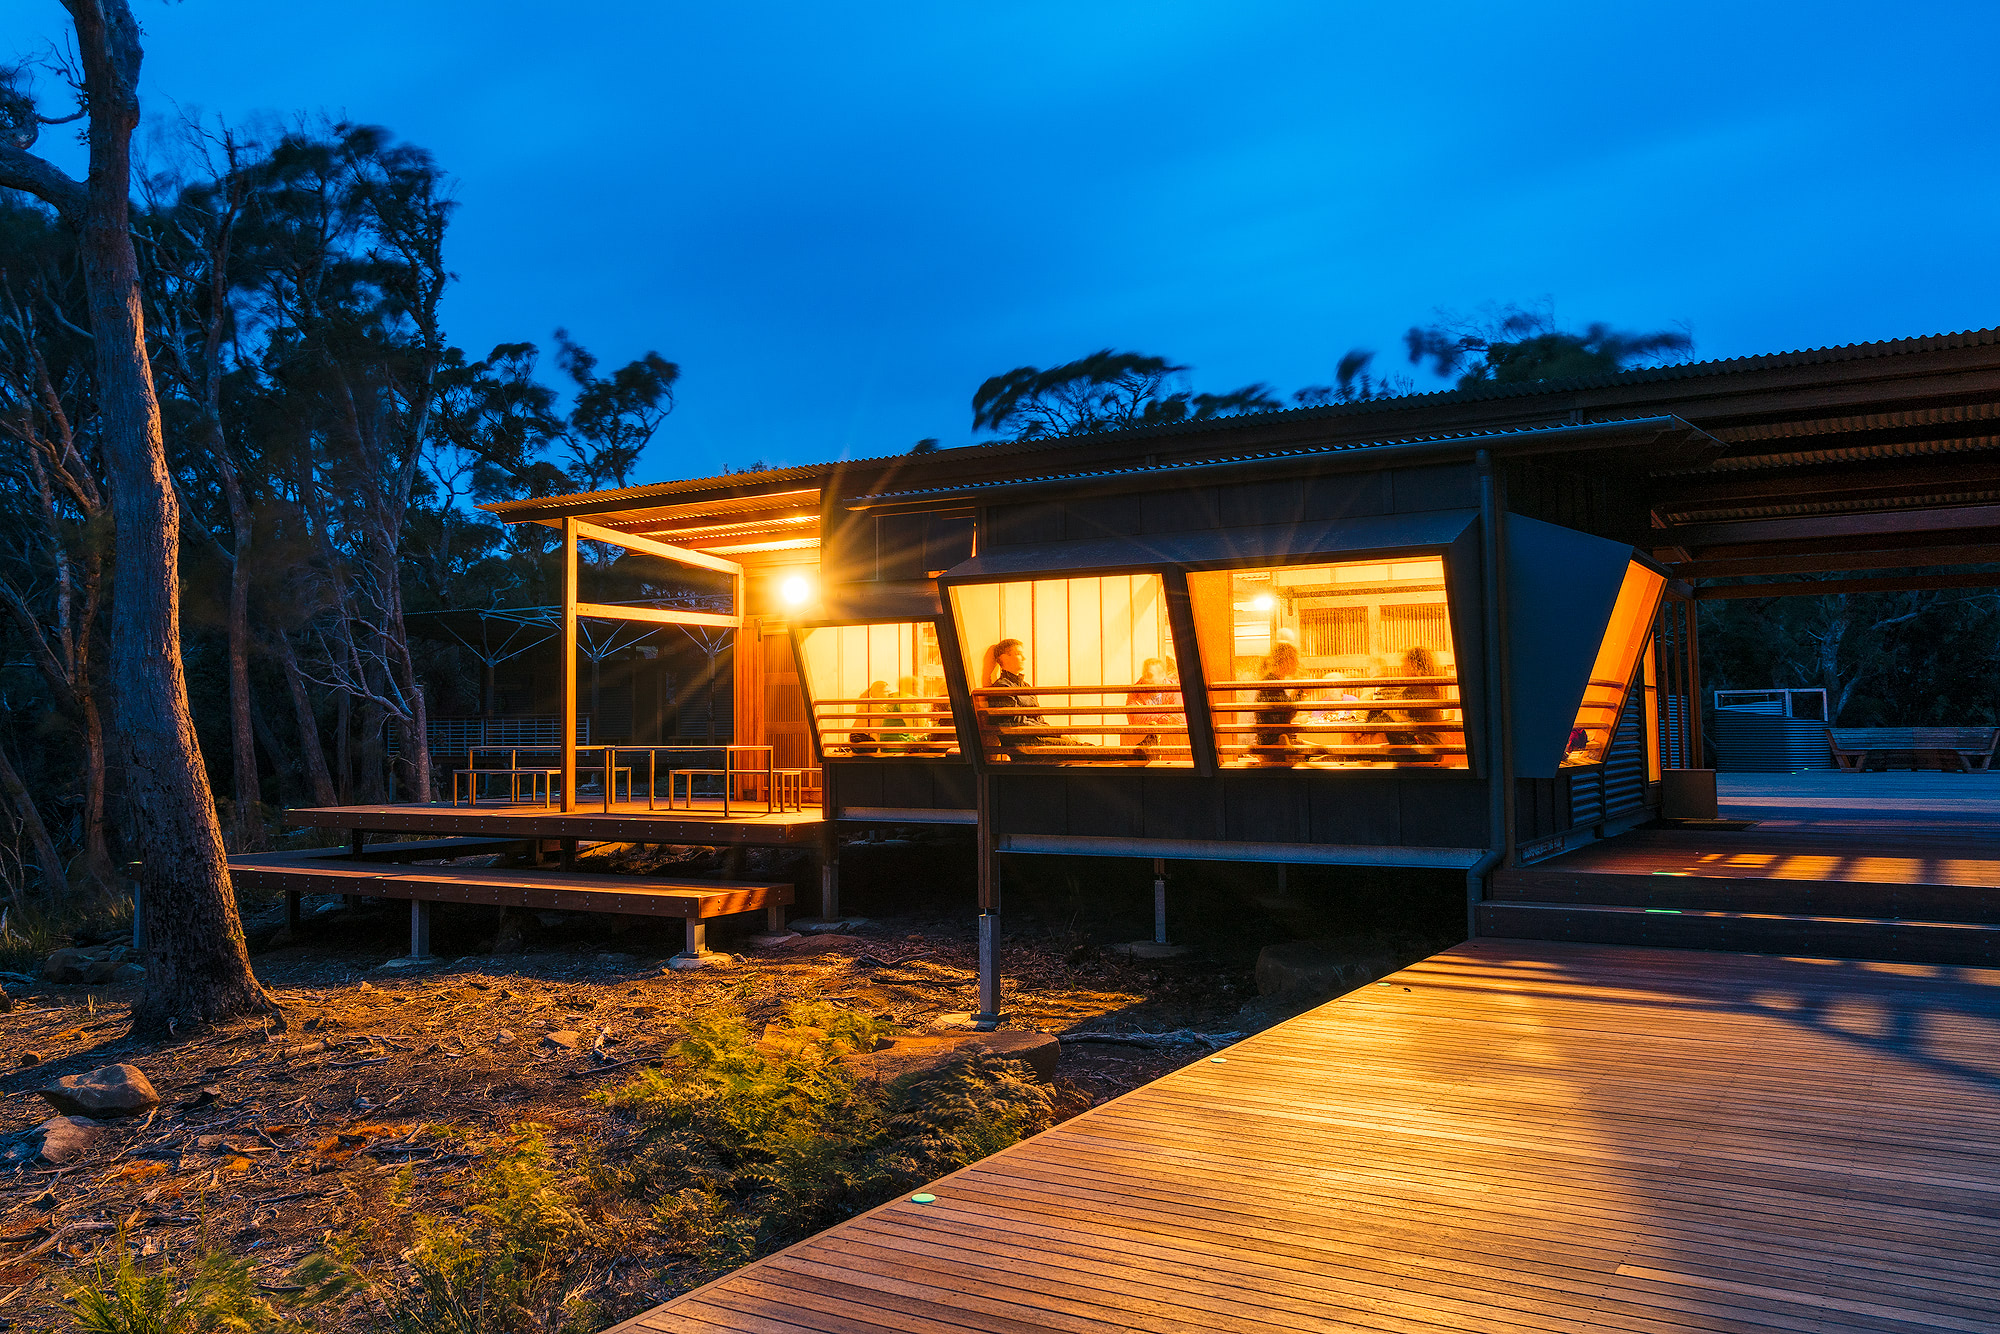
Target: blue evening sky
{"type": "Point", "coordinates": [839, 219]}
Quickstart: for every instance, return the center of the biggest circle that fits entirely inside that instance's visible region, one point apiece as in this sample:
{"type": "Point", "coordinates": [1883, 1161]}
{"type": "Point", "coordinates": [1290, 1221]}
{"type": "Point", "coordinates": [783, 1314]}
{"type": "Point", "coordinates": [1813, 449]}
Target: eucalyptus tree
{"type": "Point", "coordinates": [1105, 391]}
{"type": "Point", "coordinates": [198, 968]}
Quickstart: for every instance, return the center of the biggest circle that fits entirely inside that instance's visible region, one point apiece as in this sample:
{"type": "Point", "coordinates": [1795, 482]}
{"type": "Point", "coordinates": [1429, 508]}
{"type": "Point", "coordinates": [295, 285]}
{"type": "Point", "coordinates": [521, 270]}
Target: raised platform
{"type": "Point", "coordinates": [1505, 1138]}
{"type": "Point", "coordinates": [625, 822]}
{"type": "Point", "coordinates": [1853, 865]}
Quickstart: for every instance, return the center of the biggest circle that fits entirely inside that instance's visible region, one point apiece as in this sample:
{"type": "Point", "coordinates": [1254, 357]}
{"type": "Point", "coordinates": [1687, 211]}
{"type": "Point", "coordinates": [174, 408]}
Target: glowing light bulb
{"type": "Point", "coordinates": [795, 590]}
{"type": "Point", "coordinates": [1263, 602]}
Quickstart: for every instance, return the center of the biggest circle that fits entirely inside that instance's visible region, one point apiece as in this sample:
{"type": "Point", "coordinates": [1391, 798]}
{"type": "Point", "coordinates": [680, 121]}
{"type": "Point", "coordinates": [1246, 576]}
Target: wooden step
{"type": "Point", "coordinates": [1553, 883]}
{"type": "Point", "coordinates": [412, 850]}
{"type": "Point", "coordinates": [1964, 944]}
{"type": "Point", "coordinates": [314, 873]}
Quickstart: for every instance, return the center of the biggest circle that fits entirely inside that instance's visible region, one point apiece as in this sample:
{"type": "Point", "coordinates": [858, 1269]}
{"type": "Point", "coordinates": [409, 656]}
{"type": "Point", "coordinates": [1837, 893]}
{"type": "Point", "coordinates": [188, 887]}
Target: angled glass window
{"type": "Point", "coordinates": [1347, 664]}
{"type": "Point", "coordinates": [878, 691]}
{"type": "Point", "coordinates": [1629, 632]}
{"type": "Point", "coordinates": [1073, 671]}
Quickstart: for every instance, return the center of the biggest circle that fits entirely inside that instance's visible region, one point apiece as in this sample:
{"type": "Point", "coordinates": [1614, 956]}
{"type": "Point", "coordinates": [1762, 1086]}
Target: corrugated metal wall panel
{"type": "Point", "coordinates": [1758, 739]}
{"type": "Point", "coordinates": [1625, 762]}
{"type": "Point", "coordinates": [1586, 796]}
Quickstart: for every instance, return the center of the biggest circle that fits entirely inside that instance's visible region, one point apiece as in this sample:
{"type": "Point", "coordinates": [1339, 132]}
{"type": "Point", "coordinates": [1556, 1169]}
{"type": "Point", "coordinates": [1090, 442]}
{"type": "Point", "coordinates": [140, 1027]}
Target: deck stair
{"type": "Point", "coordinates": [371, 875]}
{"type": "Point", "coordinates": [1867, 897]}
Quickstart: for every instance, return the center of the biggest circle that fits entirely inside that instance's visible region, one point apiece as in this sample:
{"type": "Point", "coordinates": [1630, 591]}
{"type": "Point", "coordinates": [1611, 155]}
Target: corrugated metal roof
{"type": "Point", "coordinates": [956, 459]}
{"type": "Point", "coordinates": [1249, 457]}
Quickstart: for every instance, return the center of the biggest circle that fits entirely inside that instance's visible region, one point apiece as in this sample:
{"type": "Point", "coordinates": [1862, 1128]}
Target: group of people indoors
{"type": "Point", "coordinates": [1295, 719]}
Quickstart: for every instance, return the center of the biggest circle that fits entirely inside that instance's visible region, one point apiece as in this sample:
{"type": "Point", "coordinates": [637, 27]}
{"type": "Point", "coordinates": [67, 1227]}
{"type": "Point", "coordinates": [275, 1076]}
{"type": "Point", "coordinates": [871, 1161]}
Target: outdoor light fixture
{"type": "Point", "coordinates": [795, 591]}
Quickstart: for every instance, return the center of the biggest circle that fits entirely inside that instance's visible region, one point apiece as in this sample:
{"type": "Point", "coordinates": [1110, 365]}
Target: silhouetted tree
{"type": "Point", "coordinates": [1105, 391]}
{"type": "Point", "coordinates": [1353, 383]}
{"type": "Point", "coordinates": [1512, 344]}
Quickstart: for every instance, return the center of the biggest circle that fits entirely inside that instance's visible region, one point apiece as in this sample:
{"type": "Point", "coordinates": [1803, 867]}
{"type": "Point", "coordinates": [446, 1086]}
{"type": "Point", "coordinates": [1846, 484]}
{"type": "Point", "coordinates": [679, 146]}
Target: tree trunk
{"type": "Point", "coordinates": [317, 777]}
{"type": "Point", "coordinates": [197, 966]}
{"type": "Point", "coordinates": [343, 744]}
{"type": "Point", "coordinates": [23, 802]}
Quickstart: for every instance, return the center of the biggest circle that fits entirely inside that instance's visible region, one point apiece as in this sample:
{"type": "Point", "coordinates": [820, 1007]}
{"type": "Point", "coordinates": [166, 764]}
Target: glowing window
{"type": "Point", "coordinates": [1073, 671]}
{"type": "Point", "coordinates": [1629, 632]}
{"type": "Point", "coordinates": [1322, 666]}
{"type": "Point", "coordinates": [878, 691]}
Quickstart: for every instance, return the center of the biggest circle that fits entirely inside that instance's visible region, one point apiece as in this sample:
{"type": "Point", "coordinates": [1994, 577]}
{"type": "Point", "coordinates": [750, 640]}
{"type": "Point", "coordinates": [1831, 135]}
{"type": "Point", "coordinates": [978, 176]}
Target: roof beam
{"type": "Point", "coordinates": [1819, 588]}
{"type": "Point", "coordinates": [1838, 562]}
{"type": "Point", "coordinates": [1867, 524]}
{"type": "Point", "coordinates": [1850, 481]}
{"type": "Point", "coordinates": [665, 551]}
{"type": "Point", "coordinates": [605, 611]}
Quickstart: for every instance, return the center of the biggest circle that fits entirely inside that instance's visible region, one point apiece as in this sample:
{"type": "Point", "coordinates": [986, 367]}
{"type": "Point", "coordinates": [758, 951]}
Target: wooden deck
{"type": "Point", "coordinates": [1859, 865]}
{"type": "Point", "coordinates": [1510, 1136]}
{"type": "Point", "coordinates": [625, 822]}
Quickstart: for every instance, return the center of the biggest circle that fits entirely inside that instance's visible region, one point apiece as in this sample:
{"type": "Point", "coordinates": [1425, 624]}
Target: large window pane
{"type": "Point", "coordinates": [1332, 665]}
{"type": "Point", "coordinates": [1073, 671]}
{"type": "Point", "coordinates": [878, 690]}
{"type": "Point", "coordinates": [1631, 628]}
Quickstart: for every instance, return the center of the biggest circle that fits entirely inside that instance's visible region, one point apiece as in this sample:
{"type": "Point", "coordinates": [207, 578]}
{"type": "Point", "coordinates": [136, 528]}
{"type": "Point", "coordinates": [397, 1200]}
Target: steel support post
{"type": "Point", "coordinates": [989, 911]}
{"type": "Point", "coordinates": [420, 929]}
{"type": "Point", "coordinates": [1159, 900]}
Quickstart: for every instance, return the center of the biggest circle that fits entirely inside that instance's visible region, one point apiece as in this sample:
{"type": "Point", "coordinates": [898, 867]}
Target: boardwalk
{"type": "Point", "coordinates": [1509, 1136]}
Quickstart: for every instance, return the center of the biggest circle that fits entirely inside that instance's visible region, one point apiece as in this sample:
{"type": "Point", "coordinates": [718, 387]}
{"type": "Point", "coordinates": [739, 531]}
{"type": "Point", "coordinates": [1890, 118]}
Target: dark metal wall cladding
{"type": "Point", "coordinates": [1749, 740]}
{"type": "Point", "coordinates": [1618, 786]}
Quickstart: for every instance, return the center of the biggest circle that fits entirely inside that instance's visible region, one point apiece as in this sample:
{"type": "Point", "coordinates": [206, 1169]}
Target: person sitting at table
{"type": "Point", "coordinates": [1003, 667]}
{"type": "Point", "coordinates": [1276, 742]}
{"type": "Point", "coordinates": [868, 742]}
{"type": "Point", "coordinates": [1146, 708]}
{"type": "Point", "coordinates": [1418, 661]}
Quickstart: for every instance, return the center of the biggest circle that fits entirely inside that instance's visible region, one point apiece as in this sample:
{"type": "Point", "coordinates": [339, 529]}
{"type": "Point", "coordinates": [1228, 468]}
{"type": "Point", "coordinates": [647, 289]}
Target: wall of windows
{"type": "Point", "coordinates": [1073, 671]}
{"type": "Point", "coordinates": [1629, 632]}
{"type": "Point", "coordinates": [1331, 665]}
{"type": "Point", "coordinates": [878, 690]}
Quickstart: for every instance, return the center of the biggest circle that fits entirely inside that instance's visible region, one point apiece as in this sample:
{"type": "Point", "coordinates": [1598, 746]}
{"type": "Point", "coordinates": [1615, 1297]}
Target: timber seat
{"type": "Point", "coordinates": [1949, 749]}
{"type": "Point", "coordinates": [695, 901]}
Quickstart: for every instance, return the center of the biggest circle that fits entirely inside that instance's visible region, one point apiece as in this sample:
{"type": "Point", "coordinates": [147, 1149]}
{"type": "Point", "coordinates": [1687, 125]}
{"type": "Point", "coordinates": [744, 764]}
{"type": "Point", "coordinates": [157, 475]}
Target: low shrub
{"type": "Point", "coordinates": [747, 1144]}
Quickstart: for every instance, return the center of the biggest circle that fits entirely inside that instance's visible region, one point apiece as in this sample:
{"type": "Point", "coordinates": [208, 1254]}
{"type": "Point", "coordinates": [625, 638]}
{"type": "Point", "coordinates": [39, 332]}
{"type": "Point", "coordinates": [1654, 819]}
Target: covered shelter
{"type": "Point", "coordinates": [1452, 630]}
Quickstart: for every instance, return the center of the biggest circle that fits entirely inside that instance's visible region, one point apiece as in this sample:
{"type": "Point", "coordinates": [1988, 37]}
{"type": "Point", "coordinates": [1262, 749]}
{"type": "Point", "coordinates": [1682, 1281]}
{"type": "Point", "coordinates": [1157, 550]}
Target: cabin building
{"type": "Point", "coordinates": [1451, 630]}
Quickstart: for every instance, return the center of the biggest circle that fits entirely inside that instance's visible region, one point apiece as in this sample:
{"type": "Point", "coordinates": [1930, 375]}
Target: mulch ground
{"type": "Point", "coordinates": [269, 1138]}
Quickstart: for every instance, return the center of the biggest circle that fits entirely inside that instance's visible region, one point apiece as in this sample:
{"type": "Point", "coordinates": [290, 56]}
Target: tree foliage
{"type": "Point", "coordinates": [1105, 391]}
{"type": "Point", "coordinates": [326, 442]}
{"type": "Point", "coordinates": [1514, 344]}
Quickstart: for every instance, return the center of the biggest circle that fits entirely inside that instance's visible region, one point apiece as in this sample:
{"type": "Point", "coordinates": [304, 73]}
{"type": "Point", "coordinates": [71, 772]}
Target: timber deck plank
{"type": "Point", "coordinates": [1510, 1136]}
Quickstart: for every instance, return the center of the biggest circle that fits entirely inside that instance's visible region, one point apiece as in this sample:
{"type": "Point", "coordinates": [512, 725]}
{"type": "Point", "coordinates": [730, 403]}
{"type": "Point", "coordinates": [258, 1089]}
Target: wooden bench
{"type": "Point", "coordinates": [1949, 749]}
{"type": "Point", "coordinates": [328, 871]}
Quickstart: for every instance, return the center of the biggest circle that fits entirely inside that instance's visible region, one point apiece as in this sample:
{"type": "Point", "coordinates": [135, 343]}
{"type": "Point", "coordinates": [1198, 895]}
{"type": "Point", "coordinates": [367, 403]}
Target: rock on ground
{"type": "Point", "coordinates": [114, 1090]}
{"type": "Point", "coordinates": [56, 1140]}
{"type": "Point", "coordinates": [928, 1053]}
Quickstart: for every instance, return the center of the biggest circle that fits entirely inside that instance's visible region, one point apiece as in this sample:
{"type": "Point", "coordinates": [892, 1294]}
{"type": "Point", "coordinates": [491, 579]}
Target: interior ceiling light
{"type": "Point", "coordinates": [795, 590]}
{"type": "Point", "coordinates": [1263, 602]}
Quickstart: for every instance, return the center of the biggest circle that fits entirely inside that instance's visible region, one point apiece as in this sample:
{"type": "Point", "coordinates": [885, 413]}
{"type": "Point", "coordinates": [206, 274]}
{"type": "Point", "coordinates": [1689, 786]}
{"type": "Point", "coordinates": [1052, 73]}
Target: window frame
{"type": "Point", "coordinates": [1464, 608]}
{"type": "Point", "coordinates": [954, 684]}
{"type": "Point", "coordinates": [1635, 679]}
{"type": "Point", "coordinates": [1180, 634]}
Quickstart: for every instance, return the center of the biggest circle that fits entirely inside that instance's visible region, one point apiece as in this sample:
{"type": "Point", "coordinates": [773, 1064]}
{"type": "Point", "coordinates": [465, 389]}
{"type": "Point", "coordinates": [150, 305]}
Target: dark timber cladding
{"type": "Point", "coordinates": [1508, 1137]}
